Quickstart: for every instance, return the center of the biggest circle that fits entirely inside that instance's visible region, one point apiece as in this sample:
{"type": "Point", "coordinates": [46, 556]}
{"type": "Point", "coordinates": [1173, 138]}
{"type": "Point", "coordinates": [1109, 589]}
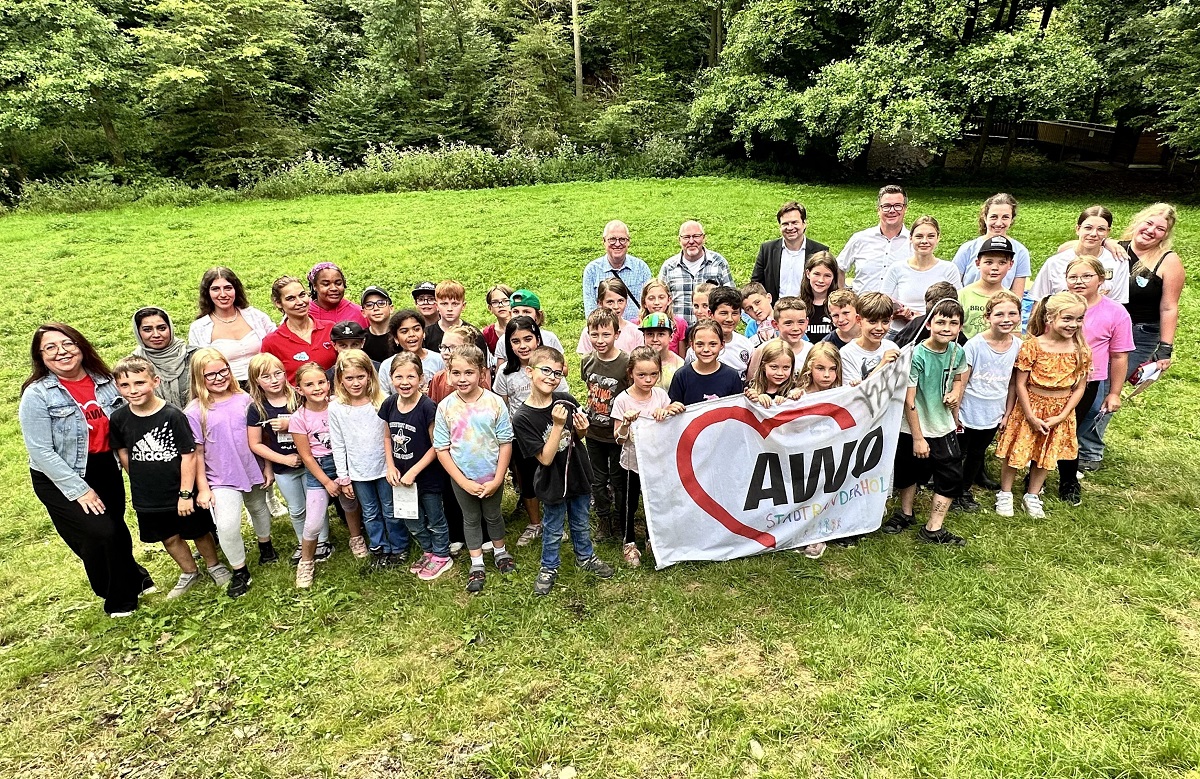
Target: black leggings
{"type": "Point", "coordinates": [101, 541]}
{"type": "Point", "coordinates": [633, 491]}
{"type": "Point", "coordinates": [1068, 470]}
{"type": "Point", "coordinates": [974, 445]}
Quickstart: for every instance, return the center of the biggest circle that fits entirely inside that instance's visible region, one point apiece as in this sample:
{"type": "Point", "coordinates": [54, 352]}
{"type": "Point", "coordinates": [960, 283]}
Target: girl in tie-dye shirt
{"type": "Point", "coordinates": [473, 435]}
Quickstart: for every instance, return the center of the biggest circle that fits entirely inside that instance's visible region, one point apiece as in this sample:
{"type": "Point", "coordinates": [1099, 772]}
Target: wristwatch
{"type": "Point", "coordinates": [186, 494]}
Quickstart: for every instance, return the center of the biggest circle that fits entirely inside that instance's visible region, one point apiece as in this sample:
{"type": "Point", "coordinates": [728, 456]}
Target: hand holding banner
{"type": "Point", "coordinates": [728, 478]}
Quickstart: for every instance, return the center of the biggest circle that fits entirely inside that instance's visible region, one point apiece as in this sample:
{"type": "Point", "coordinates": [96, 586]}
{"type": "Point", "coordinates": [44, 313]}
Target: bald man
{"type": "Point", "coordinates": [619, 263]}
{"type": "Point", "coordinates": [693, 265]}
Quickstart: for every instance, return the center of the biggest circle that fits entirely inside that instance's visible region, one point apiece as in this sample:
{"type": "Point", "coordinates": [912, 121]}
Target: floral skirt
{"type": "Point", "coordinates": [1020, 444]}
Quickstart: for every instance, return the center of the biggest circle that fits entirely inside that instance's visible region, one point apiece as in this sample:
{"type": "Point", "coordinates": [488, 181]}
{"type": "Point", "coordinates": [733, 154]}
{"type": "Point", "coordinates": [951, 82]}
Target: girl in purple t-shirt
{"type": "Point", "coordinates": [228, 472]}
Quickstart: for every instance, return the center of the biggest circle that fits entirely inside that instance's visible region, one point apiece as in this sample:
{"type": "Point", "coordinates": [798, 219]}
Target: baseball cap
{"type": "Point", "coordinates": [348, 330]}
{"type": "Point", "coordinates": [657, 321]}
{"type": "Point", "coordinates": [424, 288]}
{"type": "Point", "coordinates": [374, 291]}
{"type": "Point", "coordinates": [524, 297]}
{"type": "Point", "coordinates": [997, 244]}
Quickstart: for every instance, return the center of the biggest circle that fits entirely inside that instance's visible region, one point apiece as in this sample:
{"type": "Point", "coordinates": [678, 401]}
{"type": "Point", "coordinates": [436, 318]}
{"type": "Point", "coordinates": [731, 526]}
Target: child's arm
{"type": "Point", "coordinates": [558, 415]}
{"type": "Point", "coordinates": [1038, 424]}
{"type": "Point", "coordinates": [1072, 402]}
{"type": "Point", "coordinates": [341, 459]}
{"type": "Point", "coordinates": [410, 476]}
{"type": "Point", "coordinates": [255, 434]}
{"type": "Point", "coordinates": [1118, 368]}
{"type": "Point", "coordinates": [890, 356]}
{"type": "Point", "coordinates": [123, 458]}
{"type": "Point", "coordinates": [1010, 403]}
{"type": "Point", "coordinates": [187, 480]}
{"type": "Point", "coordinates": [304, 450]}
{"type": "Point", "coordinates": [456, 475]}
{"type": "Point", "coordinates": [920, 445]}
{"type": "Point", "coordinates": [204, 498]}
{"type": "Point", "coordinates": [393, 473]}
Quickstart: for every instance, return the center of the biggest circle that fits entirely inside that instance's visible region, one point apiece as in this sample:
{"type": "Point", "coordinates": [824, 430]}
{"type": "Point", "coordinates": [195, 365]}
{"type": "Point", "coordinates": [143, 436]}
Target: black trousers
{"type": "Point", "coordinates": [1068, 470]}
{"type": "Point", "coordinates": [633, 491]}
{"type": "Point", "coordinates": [101, 541]}
{"type": "Point", "coordinates": [974, 445]}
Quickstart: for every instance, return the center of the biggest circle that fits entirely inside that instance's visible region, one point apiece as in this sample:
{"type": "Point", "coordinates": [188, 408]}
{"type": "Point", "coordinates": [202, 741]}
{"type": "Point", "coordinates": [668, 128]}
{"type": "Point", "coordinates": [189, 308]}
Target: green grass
{"type": "Point", "coordinates": [1069, 647]}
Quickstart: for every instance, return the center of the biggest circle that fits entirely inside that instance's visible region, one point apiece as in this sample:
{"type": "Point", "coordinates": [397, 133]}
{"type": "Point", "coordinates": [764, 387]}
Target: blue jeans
{"type": "Point", "coordinates": [1091, 442]}
{"type": "Point", "coordinates": [576, 512]}
{"type": "Point", "coordinates": [385, 533]}
{"type": "Point", "coordinates": [291, 485]}
{"type": "Point", "coordinates": [430, 528]}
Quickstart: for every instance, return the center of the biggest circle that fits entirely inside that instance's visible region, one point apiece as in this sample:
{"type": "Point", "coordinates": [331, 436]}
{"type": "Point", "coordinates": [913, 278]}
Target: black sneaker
{"type": "Point", "coordinates": [1071, 494]}
{"type": "Point", "coordinates": [324, 550]}
{"type": "Point", "coordinates": [940, 536]}
{"type": "Point", "coordinates": [397, 559]}
{"type": "Point", "coordinates": [475, 580]}
{"type": "Point", "coordinates": [544, 582]}
{"type": "Point", "coordinates": [849, 542]}
{"type": "Point", "coordinates": [965, 503]}
{"type": "Point", "coordinates": [377, 562]}
{"type": "Point", "coordinates": [239, 585]}
{"type": "Point", "coordinates": [267, 553]}
{"type": "Point", "coordinates": [506, 564]}
{"type": "Point", "coordinates": [296, 556]}
{"type": "Point", "coordinates": [898, 522]}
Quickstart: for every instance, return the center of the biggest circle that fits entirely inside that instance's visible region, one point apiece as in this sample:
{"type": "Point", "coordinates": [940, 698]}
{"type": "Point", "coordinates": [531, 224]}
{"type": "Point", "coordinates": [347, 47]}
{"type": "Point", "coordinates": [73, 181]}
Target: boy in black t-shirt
{"type": "Point", "coordinates": [549, 427]}
{"type": "Point", "coordinates": [154, 443]}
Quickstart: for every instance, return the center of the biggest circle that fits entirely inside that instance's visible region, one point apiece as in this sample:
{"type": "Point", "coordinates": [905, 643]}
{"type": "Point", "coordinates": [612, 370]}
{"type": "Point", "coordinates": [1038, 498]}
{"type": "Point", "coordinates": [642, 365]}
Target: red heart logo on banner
{"type": "Point", "coordinates": [687, 442]}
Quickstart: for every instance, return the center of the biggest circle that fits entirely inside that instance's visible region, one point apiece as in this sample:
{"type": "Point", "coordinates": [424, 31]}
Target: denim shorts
{"type": "Point", "coordinates": [327, 465]}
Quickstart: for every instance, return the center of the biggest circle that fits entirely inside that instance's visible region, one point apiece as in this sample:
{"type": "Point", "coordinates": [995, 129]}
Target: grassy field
{"type": "Point", "coordinates": [1066, 647]}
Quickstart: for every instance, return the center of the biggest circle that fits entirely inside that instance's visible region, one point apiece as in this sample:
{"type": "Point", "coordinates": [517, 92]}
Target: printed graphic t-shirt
{"type": "Point", "coordinates": [569, 475]}
{"type": "Point", "coordinates": [156, 447]}
{"type": "Point", "coordinates": [605, 379]}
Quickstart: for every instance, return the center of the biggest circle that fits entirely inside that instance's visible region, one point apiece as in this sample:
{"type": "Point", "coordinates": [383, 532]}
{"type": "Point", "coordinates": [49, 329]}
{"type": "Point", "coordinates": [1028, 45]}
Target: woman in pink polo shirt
{"type": "Point", "coordinates": [300, 338]}
{"type": "Point", "coordinates": [327, 293]}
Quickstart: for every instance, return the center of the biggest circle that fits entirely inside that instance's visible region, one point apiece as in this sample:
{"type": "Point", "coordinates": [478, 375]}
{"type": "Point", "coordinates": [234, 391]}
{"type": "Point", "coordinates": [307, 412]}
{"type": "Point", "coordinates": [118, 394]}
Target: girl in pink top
{"type": "Point", "coordinates": [327, 286]}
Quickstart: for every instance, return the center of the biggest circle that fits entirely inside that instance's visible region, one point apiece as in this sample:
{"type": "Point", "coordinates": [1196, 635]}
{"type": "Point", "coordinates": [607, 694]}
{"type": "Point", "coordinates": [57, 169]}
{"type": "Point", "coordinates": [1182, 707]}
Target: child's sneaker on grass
{"type": "Point", "coordinates": [358, 547]}
{"type": "Point", "coordinates": [1033, 506]}
{"type": "Point", "coordinates": [898, 522]}
{"type": "Point", "coordinates": [456, 548]}
{"type": "Point", "coordinates": [324, 550]}
{"type": "Point", "coordinates": [435, 567]}
{"type": "Point", "coordinates": [186, 582]}
{"type": "Point", "coordinates": [597, 566]}
{"type": "Point", "coordinates": [1004, 504]}
{"type": "Point", "coordinates": [545, 581]}
{"type": "Point", "coordinates": [220, 574]}
{"type": "Point", "coordinates": [940, 536]}
{"type": "Point", "coordinates": [505, 563]}
{"type": "Point", "coordinates": [965, 503]}
{"type": "Point", "coordinates": [239, 585]}
{"type": "Point", "coordinates": [297, 555]}
{"type": "Point", "coordinates": [276, 508]}
{"type": "Point", "coordinates": [304, 573]}
{"type": "Point", "coordinates": [814, 551]}
{"type": "Point", "coordinates": [529, 535]}
{"type": "Point", "coordinates": [475, 580]}
{"type": "Point", "coordinates": [633, 558]}
{"type": "Point", "coordinates": [420, 563]}
{"type": "Point", "coordinates": [1071, 494]}
{"type": "Point", "coordinates": [267, 553]}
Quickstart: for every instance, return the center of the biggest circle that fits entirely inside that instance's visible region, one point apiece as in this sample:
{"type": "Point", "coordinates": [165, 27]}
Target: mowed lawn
{"type": "Point", "coordinates": [1063, 647]}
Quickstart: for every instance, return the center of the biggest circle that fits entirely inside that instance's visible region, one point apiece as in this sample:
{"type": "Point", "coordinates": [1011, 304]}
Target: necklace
{"type": "Point", "coordinates": [236, 314]}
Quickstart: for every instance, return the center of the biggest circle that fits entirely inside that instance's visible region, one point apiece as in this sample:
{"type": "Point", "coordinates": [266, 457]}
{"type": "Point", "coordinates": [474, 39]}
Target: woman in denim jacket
{"type": "Point", "coordinates": [64, 410]}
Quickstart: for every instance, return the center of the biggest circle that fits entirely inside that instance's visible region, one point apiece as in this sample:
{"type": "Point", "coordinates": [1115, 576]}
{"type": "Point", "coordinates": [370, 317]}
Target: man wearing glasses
{"type": "Point", "coordinates": [693, 265]}
{"type": "Point", "coordinates": [616, 262]}
{"type": "Point", "coordinates": [872, 251]}
{"type": "Point", "coordinates": [779, 266]}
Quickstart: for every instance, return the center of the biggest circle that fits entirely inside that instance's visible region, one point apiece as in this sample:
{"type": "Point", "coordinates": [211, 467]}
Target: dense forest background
{"type": "Point", "coordinates": [223, 92]}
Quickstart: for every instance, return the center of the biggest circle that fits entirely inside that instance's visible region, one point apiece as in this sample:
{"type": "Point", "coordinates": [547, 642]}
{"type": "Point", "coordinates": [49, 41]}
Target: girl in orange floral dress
{"type": "Point", "coordinates": [1051, 374]}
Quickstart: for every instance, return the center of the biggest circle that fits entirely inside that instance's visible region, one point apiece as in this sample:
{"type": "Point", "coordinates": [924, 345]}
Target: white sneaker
{"type": "Point", "coordinates": [1033, 506]}
{"type": "Point", "coordinates": [276, 508]}
{"type": "Point", "coordinates": [1004, 504]}
{"type": "Point", "coordinates": [185, 583]}
{"type": "Point", "coordinates": [304, 573]}
{"type": "Point", "coordinates": [487, 546]}
{"type": "Point", "coordinates": [456, 547]}
{"type": "Point", "coordinates": [220, 574]}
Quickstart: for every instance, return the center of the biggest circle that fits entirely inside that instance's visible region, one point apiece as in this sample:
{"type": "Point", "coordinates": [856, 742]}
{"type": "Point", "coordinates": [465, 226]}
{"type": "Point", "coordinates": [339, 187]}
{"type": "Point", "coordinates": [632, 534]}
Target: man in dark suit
{"type": "Point", "coordinates": [780, 263]}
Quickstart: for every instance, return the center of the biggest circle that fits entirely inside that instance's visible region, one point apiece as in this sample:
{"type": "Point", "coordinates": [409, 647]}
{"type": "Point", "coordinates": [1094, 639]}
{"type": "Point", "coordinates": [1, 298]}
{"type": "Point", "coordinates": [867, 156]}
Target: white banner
{"type": "Point", "coordinates": [728, 478]}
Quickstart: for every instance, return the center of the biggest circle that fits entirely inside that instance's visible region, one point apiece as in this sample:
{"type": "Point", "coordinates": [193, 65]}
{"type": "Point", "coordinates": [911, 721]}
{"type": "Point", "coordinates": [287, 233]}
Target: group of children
{"type": "Point", "coordinates": [412, 432]}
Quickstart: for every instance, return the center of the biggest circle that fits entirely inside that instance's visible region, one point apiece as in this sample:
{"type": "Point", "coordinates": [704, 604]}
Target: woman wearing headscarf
{"type": "Point", "coordinates": [170, 356]}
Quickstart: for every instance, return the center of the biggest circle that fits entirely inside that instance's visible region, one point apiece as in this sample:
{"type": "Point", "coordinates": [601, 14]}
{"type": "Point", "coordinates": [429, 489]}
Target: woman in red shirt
{"type": "Point", "coordinates": [300, 339]}
{"type": "Point", "coordinates": [64, 410]}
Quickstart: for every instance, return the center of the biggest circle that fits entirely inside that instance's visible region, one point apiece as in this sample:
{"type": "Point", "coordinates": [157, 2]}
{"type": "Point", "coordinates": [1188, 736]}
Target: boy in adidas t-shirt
{"type": "Point", "coordinates": [154, 443]}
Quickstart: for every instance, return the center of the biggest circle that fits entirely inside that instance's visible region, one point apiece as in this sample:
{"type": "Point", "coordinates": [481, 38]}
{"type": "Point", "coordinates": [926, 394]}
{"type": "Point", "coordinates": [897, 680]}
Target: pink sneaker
{"type": "Point", "coordinates": [358, 547]}
{"type": "Point", "coordinates": [420, 563]}
{"type": "Point", "coordinates": [435, 568]}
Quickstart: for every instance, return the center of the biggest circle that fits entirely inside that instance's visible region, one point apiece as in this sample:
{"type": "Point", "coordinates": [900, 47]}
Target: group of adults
{"type": "Point", "coordinates": [70, 392]}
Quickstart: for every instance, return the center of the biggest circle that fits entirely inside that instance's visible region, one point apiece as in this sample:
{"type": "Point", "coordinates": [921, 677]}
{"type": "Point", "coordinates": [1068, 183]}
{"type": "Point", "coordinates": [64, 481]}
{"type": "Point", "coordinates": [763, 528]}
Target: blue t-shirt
{"type": "Point", "coordinates": [409, 432]}
{"type": "Point", "coordinates": [688, 387]}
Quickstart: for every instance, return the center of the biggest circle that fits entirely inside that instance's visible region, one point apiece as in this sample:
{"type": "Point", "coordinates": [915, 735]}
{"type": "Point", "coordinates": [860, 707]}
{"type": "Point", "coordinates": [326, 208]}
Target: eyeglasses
{"type": "Point", "coordinates": [217, 375]}
{"type": "Point", "coordinates": [371, 304]}
{"type": "Point", "coordinates": [697, 237]}
{"type": "Point", "coordinates": [51, 350]}
{"type": "Point", "coordinates": [501, 303]}
{"type": "Point", "coordinates": [893, 207]}
{"type": "Point", "coordinates": [1081, 279]}
{"type": "Point", "coordinates": [426, 300]}
{"type": "Point", "coordinates": [550, 373]}
{"type": "Point", "coordinates": [617, 241]}
{"type": "Point", "coordinates": [444, 349]}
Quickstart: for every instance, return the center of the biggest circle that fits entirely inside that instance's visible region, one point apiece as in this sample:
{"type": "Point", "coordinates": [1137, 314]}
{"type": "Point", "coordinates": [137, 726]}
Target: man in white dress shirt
{"type": "Point", "coordinates": [872, 251]}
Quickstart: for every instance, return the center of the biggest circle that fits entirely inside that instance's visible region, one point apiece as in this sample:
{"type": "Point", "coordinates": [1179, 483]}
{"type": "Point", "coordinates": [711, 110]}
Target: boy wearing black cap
{"type": "Point", "coordinates": [377, 308]}
{"type": "Point", "coordinates": [994, 261]}
{"type": "Point", "coordinates": [425, 297]}
{"type": "Point", "coordinates": [347, 335]}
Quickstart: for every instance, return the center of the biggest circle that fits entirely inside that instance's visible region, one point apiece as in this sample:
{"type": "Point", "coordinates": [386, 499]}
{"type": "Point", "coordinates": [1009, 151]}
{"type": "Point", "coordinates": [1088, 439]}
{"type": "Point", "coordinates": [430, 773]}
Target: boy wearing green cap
{"type": "Point", "coordinates": [656, 330]}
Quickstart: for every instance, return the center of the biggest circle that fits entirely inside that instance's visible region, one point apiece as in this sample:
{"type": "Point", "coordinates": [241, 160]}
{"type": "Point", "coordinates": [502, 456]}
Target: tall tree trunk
{"type": "Point", "coordinates": [998, 21]}
{"type": "Point", "coordinates": [984, 133]}
{"type": "Point", "coordinates": [972, 18]}
{"type": "Point", "coordinates": [1014, 123]}
{"type": "Point", "coordinates": [578, 49]}
{"type": "Point", "coordinates": [1047, 12]}
{"type": "Point", "coordinates": [715, 35]}
{"type": "Point", "coordinates": [1013, 7]}
{"type": "Point", "coordinates": [420, 37]}
{"type": "Point", "coordinates": [110, 130]}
